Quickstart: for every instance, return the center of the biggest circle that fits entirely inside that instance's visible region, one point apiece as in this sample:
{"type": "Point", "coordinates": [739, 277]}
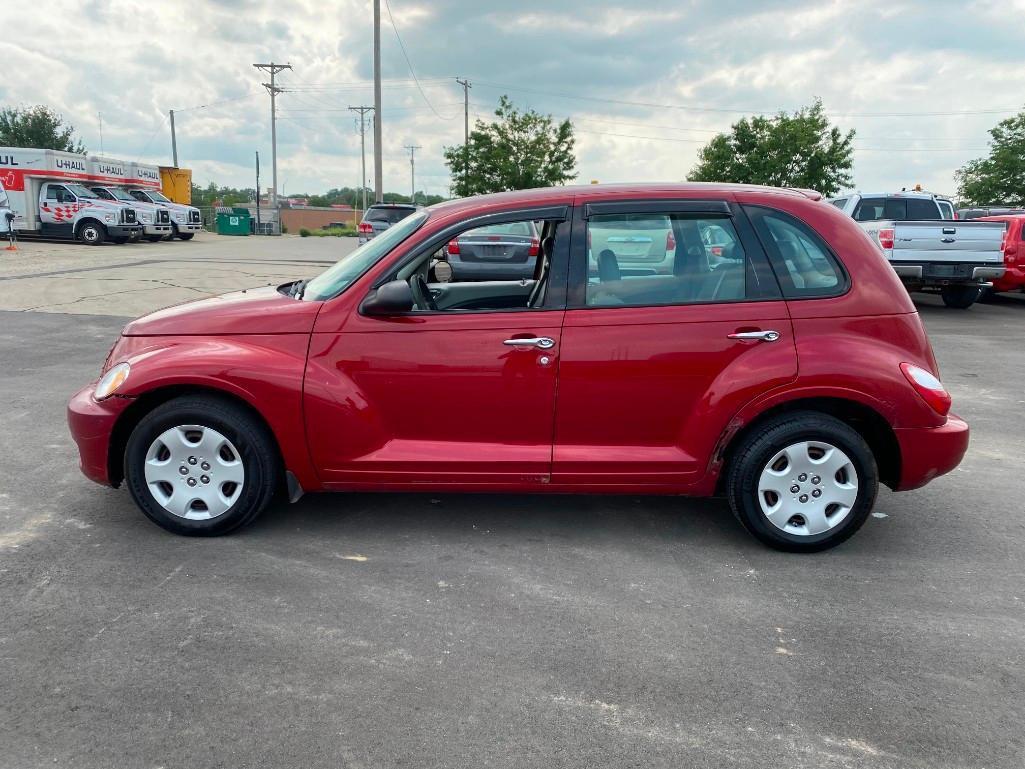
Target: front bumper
{"type": "Point", "coordinates": [123, 230]}
{"type": "Point", "coordinates": [929, 452]}
{"type": "Point", "coordinates": [157, 229]}
{"type": "Point", "coordinates": [91, 423]}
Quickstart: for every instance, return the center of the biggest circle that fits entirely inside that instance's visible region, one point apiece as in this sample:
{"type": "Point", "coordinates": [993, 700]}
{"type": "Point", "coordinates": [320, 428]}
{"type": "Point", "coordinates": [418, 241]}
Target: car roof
{"type": "Point", "coordinates": [569, 193]}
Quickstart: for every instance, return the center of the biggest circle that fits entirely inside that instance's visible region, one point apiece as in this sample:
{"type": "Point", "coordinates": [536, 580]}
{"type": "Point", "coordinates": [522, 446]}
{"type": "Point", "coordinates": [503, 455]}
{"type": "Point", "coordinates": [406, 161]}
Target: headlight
{"type": "Point", "coordinates": [111, 381]}
{"type": "Point", "coordinates": [109, 217]}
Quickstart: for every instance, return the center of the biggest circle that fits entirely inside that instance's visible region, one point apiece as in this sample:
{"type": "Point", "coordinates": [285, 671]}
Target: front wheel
{"type": "Point", "coordinates": [119, 241]}
{"type": "Point", "coordinates": [802, 482]}
{"type": "Point", "coordinates": [201, 466]}
{"type": "Point", "coordinates": [186, 235]}
{"type": "Point", "coordinates": [92, 234]}
{"type": "Point", "coordinates": [154, 238]}
{"type": "Point", "coordinates": [960, 297]}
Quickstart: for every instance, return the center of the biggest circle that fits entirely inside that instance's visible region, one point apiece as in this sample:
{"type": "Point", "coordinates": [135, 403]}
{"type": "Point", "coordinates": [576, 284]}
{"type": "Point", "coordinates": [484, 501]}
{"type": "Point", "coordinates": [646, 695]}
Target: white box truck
{"type": "Point", "coordinates": [144, 185]}
{"type": "Point", "coordinates": [48, 196]}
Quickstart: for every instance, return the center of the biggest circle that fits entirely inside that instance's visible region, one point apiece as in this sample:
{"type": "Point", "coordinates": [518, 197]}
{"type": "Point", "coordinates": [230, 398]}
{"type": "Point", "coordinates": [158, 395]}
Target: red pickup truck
{"type": "Point", "coordinates": [1013, 278]}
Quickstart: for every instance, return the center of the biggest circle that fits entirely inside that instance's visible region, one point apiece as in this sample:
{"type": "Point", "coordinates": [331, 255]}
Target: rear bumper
{"type": "Point", "coordinates": [929, 452]}
{"type": "Point", "coordinates": [937, 274]}
{"type": "Point", "coordinates": [465, 271]}
{"type": "Point", "coordinates": [91, 423]}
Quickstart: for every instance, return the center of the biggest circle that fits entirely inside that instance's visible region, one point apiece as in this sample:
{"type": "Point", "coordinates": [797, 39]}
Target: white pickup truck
{"type": "Point", "coordinates": [929, 252]}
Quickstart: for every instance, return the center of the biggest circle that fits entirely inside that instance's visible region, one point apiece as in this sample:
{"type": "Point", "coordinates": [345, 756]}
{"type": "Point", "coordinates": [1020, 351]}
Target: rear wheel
{"type": "Point", "coordinates": [201, 466]}
{"type": "Point", "coordinates": [802, 482]}
{"type": "Point", "coordinates": [960, 297]}
{"type": "Point", "coordinates": [92, 233]}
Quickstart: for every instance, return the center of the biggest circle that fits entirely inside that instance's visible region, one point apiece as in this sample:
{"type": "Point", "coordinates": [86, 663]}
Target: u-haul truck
{"type": "Point", "coordinates": [144, 185]}
{"type": "Point", "coordinates": [110, 175]}
{"type": "Point", "coordinates": [49, 196]}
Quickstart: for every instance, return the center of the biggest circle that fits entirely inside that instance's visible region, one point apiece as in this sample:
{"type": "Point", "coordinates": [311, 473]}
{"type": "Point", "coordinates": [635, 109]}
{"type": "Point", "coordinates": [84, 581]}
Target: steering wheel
{"type": "Point", "coordinates": [422, 293]}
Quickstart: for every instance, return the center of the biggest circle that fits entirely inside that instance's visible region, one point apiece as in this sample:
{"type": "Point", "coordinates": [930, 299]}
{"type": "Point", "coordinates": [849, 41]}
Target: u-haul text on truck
{"type": "Point", "coordinates": [55, 195]}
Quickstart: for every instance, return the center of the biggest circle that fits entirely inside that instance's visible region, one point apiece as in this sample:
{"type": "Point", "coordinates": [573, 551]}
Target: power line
{"type": "Point", "coordinates": [735, 110]}
{"type": "Point", "coordinates": [387, 6]}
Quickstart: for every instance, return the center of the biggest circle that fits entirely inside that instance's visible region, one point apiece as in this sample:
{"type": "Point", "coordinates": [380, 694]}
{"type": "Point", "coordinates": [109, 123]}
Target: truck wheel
{"type": "Point", "coordinates": [960, 297]}
{"type": "Point", "coordinates": [802, 482]}
{"type": "Point", "coordinates": [92, 234]}
{"type": "Point", "coordinates": [186, 235]}
{"type": "Point", "coordinates": [987, 295]}
{"type": "Point", "coordinates": [174, 232]}
{"type": "Point", "coordinates": [119, 241]}
{"type": "Point", "coordinates": [201, 466]}
{"type": "Point", "coordinates": [154, 238]}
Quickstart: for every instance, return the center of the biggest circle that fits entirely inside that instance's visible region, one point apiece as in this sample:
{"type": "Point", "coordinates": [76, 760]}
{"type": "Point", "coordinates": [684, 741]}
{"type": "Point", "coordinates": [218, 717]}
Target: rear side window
{"type": "Point", "coordinates": [803, 263]}
{"type": "Point", "coordinates": [839, 203]}
{"type": "Point", "coordinates": [390, 215]}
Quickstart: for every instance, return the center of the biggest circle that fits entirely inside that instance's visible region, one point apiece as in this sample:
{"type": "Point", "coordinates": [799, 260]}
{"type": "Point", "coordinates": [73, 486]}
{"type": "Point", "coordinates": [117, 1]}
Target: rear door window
{"type": "Point", "coordinates": [871, 209]}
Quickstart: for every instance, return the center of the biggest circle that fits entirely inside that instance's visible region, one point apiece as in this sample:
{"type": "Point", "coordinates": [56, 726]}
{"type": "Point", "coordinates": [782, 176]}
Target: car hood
{"type": "Point", "coordinates": [262, 310]}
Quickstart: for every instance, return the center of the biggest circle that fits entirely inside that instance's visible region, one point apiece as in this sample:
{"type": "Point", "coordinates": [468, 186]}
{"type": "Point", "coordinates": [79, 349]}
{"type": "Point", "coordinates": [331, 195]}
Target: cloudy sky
{"type": "Point", "coordinates": [645, 84]}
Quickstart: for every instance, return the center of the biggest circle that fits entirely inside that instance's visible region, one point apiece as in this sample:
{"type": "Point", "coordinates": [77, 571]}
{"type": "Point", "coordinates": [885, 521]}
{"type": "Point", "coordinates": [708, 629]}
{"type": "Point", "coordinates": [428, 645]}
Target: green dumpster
{"type": "Point", "coordinates": [232, 221]}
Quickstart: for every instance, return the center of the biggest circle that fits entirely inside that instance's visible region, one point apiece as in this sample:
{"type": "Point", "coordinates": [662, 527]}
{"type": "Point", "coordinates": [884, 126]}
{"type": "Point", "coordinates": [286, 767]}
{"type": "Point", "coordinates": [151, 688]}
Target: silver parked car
{"type": "Point", "coordinates": [379, 217]}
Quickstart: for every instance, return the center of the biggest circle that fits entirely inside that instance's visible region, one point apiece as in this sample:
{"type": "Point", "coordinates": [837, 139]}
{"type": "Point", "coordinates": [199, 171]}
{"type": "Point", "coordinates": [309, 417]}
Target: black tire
{"type": "Point", "coordinates": [763, 443]}
{"type": "Point", "coordinates": [92, 233]}
{"type": "Point", "coordinates": [154, 238]}
{"type": "Point", "coordinates": [960, 297]}
{"type": "Point", "coordinates": [119, 241]}
{"type": "Point", "coordinates": [174, 232]}
{"type": "Point", "coordinates": [186, 235]}
{"type": "Point", "coordinates": [255, 445]}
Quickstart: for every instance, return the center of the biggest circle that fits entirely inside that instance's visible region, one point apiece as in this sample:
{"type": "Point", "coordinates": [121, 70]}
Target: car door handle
{"type": "Point", "coordinates": [760, 336]}
{"type": "Point", "coordinates": [541, 342]}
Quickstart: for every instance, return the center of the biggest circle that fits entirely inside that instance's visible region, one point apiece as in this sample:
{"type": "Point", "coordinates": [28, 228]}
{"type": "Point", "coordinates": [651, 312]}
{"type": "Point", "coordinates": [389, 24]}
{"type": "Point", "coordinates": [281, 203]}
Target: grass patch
{"type": "Point", "coordinates": [331, 232]}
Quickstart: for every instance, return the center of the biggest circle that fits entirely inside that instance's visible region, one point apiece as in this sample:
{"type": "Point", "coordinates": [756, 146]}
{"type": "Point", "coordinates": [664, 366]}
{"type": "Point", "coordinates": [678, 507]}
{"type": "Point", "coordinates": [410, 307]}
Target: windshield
{"type": "Point", "coordinates": [351, 266]}
{"type": "Point", "coordinates": [390, 215]}
{"type": "Point", "coordinates": [81, 192]}
{"type": "Point", "coordinates": [114, 192]}
{"type": "Point", "coordinates": [157, 196]}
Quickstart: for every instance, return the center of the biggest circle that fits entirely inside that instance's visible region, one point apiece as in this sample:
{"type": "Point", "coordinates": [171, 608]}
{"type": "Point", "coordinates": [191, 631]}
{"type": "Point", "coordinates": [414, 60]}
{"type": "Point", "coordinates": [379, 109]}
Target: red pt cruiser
{"type": "Point", "coordinates": [733, 340]}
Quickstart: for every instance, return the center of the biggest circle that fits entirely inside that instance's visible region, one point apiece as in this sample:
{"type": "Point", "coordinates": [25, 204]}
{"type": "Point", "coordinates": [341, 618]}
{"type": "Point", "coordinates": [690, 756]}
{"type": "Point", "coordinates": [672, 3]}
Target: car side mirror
{"type": "Point", "coordinates": [390, 299]}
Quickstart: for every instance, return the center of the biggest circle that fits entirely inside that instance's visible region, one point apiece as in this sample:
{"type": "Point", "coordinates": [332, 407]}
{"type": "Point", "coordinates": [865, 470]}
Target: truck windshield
{"type": "Point", "coordinates": [81, 192]}
{"type": "Point", "coordinates": [117, 194]}
{"type": "Point", "coordinates": [351, 266]}
{"type": "Point", "coordinates": [157, 197]}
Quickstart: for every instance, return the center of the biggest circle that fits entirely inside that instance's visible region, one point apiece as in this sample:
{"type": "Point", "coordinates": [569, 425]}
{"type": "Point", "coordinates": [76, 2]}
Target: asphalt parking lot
{"type": "Point", "coordinates": [502, 631]}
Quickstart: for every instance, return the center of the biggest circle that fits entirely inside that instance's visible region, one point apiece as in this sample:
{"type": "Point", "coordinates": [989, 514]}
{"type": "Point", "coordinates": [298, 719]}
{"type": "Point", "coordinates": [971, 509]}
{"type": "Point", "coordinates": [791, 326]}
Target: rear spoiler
{"type": "Point", "coordinates": [810, 194]}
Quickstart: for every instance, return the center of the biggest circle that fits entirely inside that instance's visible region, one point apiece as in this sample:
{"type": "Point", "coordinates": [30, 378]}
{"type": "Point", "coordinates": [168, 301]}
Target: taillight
{"type": "Point", "coordinates": [670, 241]}
{"type": "Point", "coordinates": [453, 246]}
{"type": "Point", "coordinates": [928, 387]}
{"type": "Point", "coordinates": [365, 227]}
{"type": "Point", "coordinates": [1003, 241]}
{"type": "Point", "coordinates": [886, 238]}
{"type": "Point", "coordinates": [535, 244]}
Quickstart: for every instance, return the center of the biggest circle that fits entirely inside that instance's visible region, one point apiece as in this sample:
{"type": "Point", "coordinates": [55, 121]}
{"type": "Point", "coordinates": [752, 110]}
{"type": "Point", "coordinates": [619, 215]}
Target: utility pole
{"type": "Point", "coordinates": [378, 163]}
{"type": "Point", "coordinates": [412, 171]}
{"type": "Point", "coordinates": [174, 141]}
{"type": "Point", "coordinates": [273, 91]}
{"type": "Point", "coordinates": [363, 151]}
{"type": "Point", "coordinates": [466, 134]}
{"type": "Point", "coordinates": [257, 193]}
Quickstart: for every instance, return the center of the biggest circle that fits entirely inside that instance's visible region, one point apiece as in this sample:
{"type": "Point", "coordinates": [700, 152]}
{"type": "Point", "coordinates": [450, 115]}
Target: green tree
{"type": "Point", "coordinates": [799, 150]}
{"type": "Point", "coordinates": [37, 126]}
{"type": "Point", "coordinates": [518, 151]}
{"type": "Point", "coordinates": [999, 178]}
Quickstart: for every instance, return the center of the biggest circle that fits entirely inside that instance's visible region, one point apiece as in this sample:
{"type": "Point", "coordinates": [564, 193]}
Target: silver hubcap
{"type": "Point", "coordinates": [808, 488]}
{"type": "Point", "coordinates": [194, 472]}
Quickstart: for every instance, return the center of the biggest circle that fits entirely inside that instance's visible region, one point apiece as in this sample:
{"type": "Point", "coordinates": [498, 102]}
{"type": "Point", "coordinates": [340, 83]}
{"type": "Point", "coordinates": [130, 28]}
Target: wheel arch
{"type": "Point", "coordinates": [866, 420]}
{"type": "Point", "coordinates": [151, 399]}
{"type": "Point", "coordinates": [87, 220]}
